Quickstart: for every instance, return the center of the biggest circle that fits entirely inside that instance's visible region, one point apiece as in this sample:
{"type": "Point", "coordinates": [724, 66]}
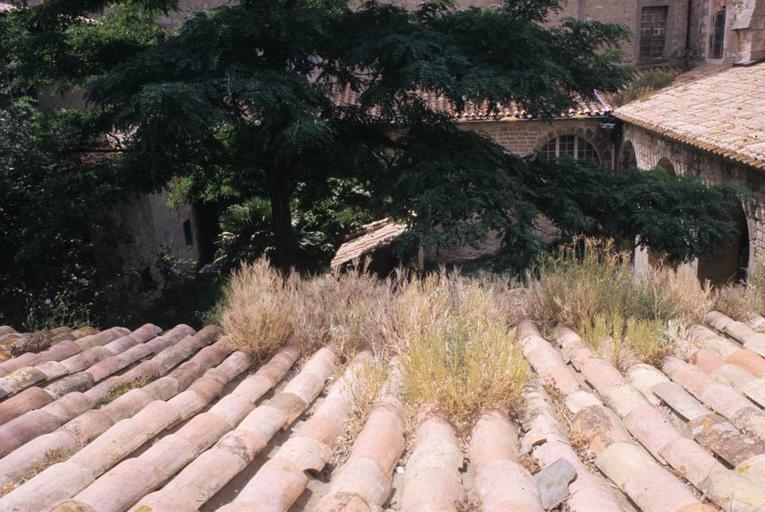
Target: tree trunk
{"type": "Point", "coordinates": [280, 184]}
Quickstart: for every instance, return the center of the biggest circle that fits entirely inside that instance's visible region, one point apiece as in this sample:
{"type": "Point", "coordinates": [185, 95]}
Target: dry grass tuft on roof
{"type": "Point", "coordinates": [347, 311]}
{"type": "Point", "coordinates": [459, 357]}
{"type": "Point", "coordinates": [743, 301]}
{"type": "Point", "coordinates": [258, 310]}
{"type": "Point", "coordinates": [262, 310]}
{"type": "Point", "coordinates": [203, 427]}
{"type": "Point", "coordinates": [588, 285]}
{"type": "Point", "coordinates": [457, 349]}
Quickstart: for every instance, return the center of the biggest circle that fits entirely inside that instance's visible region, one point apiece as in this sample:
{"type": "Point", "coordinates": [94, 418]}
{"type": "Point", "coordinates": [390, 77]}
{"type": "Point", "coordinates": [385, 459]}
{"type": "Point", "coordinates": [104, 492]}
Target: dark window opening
{"type": "Point", "coordinates": [718, 36]}
{"type": "Point", "coordinates": [653, 33]}
{"type": "Point", "coordinates": [147, 280]}
{"type": "Point", "coordinates": [187, 234]}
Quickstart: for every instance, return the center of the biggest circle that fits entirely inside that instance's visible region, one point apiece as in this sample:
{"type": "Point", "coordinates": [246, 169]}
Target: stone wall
{"type": "Point", "coordinates": [744, 41]}
{"type": "Point", "coordinates": [624, 12]}
{"type": "Point", "coordinates": [153, 229]}
{"type": "Point", "coordinates": [526, 137]}
{"type": "Point", "coordinates": [652, 150]}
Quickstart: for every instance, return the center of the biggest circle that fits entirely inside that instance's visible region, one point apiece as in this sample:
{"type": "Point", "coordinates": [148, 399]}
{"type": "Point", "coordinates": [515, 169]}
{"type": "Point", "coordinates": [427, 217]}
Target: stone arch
{"type": "Point", "coordinates": [730, 261]}
{"type": "Point", "coordinates": [627, 157]}
{"type": "Point", "coordinates": [667, 166]}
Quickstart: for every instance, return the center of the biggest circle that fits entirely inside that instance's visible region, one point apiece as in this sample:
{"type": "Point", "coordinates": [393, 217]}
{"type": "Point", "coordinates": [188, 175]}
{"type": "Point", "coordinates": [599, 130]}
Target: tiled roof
{"type": "Point", "coordinates": [204, 427]}
{"type": "Point", "coordinates": [5, 7]}
{"type": "Point", "coordinates": [597, 107]}
{"type": "Point", "coordinates": [717, 109]}
{"type": "Point", "coordinates": [369, 238]}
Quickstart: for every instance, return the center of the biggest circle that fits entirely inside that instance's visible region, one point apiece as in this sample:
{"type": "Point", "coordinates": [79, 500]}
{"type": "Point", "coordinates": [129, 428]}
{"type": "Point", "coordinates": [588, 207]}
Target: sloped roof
{"type": "Point", "coordinates": [177, 421]}
{"type": "Point", "coordinates": [716, 109]}
{"type": "Point", "coordinates": [596, 107]}
{"type": "Point", "coordinates": [367, 239]}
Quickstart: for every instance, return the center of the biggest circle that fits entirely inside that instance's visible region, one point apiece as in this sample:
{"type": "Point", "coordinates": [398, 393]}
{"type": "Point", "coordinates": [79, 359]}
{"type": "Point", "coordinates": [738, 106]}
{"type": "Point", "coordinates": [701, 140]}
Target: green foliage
{"type": "Point", "coordinates": [245, 103]}
{"type": "Point", "coordinates": [643, 86]}
{"type": "Point", "coordinates": [58, 43]}
{"type": "Point", "coordinates": [245, 99]}
{"type": "Point", "coordinates": [320, 221]}
{"type": "Point", "coordinates": [678, 216]}
{"type": "Point", "coordinates": [52, 219]}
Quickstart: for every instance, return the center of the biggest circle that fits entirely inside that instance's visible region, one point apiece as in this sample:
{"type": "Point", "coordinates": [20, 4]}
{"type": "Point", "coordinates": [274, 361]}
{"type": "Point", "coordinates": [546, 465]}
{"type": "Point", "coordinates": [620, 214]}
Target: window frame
{"type": "Point", "coordinates": [658, 7]}
{"type": "Point", "coordinates": [541, 153]}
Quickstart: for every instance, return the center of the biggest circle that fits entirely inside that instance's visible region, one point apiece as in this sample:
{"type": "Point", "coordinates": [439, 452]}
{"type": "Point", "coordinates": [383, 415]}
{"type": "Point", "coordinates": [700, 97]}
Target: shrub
{"type": "Point", "coordinates": [625, 341]}
{"type": "Point", "coordinates": [588, 285]}
{"type": "Point", "coordinates": [347, 311]}
{"type": "Point", "coordinates": [643, 86]}
{"type": "Point", "coordinates": [458, 354]}
{"type": "Point", "coordinates": [582, 280]}
{"type": "Point", "coordinates": [258, 309]}
{"type": "Point", "coordinates": [648, 340]}
{"type": "Point", "coordinates": [664, 293]}
{"type": "Point", "coordinates": [737, 301]}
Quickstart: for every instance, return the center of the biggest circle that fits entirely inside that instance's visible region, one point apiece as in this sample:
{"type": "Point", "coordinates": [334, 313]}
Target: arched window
{"type": "Point", "coordinates": [570, 146]}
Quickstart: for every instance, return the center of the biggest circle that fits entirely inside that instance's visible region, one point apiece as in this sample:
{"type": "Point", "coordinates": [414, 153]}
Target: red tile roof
{"type": "Point", "coordinates": [597, 107]}
{"type": "Point", "coordinates": [369, 238]}
{"type": "Point", "coordinates": [713, 108]}
{"type": "Point", "coordinates": [200, 428]}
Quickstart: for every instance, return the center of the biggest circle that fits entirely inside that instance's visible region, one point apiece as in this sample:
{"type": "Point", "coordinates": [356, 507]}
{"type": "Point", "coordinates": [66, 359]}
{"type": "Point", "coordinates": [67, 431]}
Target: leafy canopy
{"type": "Point", "coordinates": [268, 97]}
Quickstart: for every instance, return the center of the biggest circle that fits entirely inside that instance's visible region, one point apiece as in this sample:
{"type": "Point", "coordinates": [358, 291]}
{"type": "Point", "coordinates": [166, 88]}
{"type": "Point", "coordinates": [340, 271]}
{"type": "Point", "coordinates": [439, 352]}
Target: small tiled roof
{"type": "Point", "coordinates": [179, 421]}
{"type": "Point", "coordinates": [596, 107]}
{"type": "Point", "coordinates": [369, 238]}
{"type": "Point", "coordinates": [717, 109]}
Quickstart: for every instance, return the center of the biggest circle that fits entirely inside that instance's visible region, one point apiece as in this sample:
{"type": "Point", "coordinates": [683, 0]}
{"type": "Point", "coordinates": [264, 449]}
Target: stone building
{"type": "Point", "coordinates": [727, 31]}
{"type": "Point", "coordinates": [670, 31]}
{"type": "Point", "coordinates": [659, 28]}
{"type": "Point", "coordinates": [709, 123]}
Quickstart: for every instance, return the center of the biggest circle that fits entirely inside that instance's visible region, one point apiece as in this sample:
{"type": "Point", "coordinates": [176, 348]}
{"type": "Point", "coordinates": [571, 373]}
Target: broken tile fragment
{"type": "Point", "coordinates": [553, 483]}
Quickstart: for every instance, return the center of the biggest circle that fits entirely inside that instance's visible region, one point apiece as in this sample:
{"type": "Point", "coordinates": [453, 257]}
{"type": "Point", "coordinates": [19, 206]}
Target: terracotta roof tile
{"type": "Point", "coordinates": [369, 238]}
{"type": "Point", "coordinates": [598, 106]}
{"type": "Point", "coordinates": [203, 427]}
{"type": "Point", "coordinates": [717, 109]}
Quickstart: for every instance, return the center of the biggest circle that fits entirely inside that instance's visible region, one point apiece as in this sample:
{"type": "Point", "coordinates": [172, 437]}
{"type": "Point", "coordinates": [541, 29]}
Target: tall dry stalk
{"type": "Point", "coordinates": [666, 293]}
{"type": "Point", "coordinates": [347, 311]}
{"type": "Point", "coordinates": [258, 308]}
{"type": "Point", "coordinates": [589, 286]}
{"type": "Point", "coordinates": [458, 353]}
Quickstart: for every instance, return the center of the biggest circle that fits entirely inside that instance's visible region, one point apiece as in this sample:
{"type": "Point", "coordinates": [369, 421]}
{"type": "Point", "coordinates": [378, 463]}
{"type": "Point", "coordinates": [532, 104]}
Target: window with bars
{"type": "Point", "coordinates": [653, 33]}
{"type": "Point", "coordinates": [718, 36]}
{"type": "Point", "coordinates": [570, 146]}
